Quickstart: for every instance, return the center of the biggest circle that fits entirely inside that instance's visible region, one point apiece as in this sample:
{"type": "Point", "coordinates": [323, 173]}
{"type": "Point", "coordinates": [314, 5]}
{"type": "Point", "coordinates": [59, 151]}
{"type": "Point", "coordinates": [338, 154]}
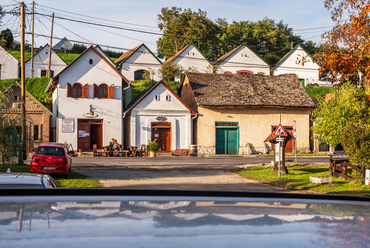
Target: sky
{"type": "Point", "coordinates": [308, 18]}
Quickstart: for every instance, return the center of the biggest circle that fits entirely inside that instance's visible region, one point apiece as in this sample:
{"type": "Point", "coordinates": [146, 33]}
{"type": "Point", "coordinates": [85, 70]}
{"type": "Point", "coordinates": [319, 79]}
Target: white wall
{"type": "Point", "coordinates": [291, 65]}
{"type": "Point", "coordinates": [9, 65]}
{"type": "Point", "coordinates": [191, 57]}
{"type": "Point", "coordinates": [41, 62]}
{"type": "Point", "coordinates": [109, 110]}
{"type": "Point", "coordinates": [142, 59]}
{"type": "Point", "coordinates": [149, 109]}
{"type": "Point", "coordinates": [243, 59]}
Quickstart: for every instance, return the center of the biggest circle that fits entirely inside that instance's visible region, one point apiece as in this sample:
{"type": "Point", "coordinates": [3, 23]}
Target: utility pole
{"type": "Point", "coordinates": [33, 25]}
{"type": "Point", "coordinates": [51, 43]}
{"type": "Point", "coordinates": [23, 85]}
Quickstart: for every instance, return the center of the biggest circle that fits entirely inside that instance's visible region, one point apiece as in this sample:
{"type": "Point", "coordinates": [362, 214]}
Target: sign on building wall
{"type": "Point", "coordinates": [68, 125]}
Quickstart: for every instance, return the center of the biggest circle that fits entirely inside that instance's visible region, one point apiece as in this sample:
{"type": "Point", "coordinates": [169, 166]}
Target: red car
{"type": "Point", "coordinates": [51, 158]}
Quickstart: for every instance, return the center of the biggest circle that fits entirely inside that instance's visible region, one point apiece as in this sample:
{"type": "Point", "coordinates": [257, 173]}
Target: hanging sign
{"type": "Point", "coordinates": [280, 131]}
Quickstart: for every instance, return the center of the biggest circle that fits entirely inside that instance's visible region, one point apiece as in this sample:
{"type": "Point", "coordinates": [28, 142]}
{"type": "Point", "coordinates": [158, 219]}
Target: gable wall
{"type": "Point", "coordinates": [9, 65]}
{"type": "Point", "coordinates": [243, 59]}
{"type": "Point", "coordinates": [309, 71]}
{"type": "Point", "coordinates": [41, 62]}
{"type": "Point", "coordinates": [140, 60]}
{"type": "Point", "coordinates": [191, 57]}
{"type": "Point", "coordinates": [149, 109]}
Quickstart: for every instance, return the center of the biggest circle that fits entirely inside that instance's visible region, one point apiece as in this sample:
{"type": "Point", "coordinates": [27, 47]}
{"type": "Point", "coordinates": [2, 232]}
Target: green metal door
{"type": "Point", "coordinates": [227, 140]}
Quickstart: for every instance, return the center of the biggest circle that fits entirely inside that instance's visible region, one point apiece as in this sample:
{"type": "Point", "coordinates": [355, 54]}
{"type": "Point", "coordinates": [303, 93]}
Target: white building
{"type": "Point", "coordinates": [41, 63]}
{"type": "Point", "coordinates": [159, 114]}
{"type": "Point", "coordinates": [88, 101]}
{"type": "Point", "coordinates": [242, 60]}
{"type": "Point", "coordinates": [133, 63]}
{"type": "Point", "coordinates": [9, 66]}
{"type": "Point", "coordinates": [299, 62]}
{"type": "Point", "coordinates": [191, 59]}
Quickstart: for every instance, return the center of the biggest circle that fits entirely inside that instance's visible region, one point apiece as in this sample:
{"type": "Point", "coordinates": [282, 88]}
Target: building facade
{"type": "Point", "coordinates": [237, 117]}
{"type": "Point", "coordinates": [159, 114]}
{"type": "Point", "coordinates": [88, 101]}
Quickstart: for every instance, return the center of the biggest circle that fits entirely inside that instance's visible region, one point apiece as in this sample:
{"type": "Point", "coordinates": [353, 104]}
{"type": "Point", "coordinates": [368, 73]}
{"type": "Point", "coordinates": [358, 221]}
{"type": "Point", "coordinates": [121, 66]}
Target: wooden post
{"type": "Point", "coordinates": [33, 25]}
{"type": "Point", "coordinates": [51, 43]}
{"type": "Point", "coordinates": [23, 85]}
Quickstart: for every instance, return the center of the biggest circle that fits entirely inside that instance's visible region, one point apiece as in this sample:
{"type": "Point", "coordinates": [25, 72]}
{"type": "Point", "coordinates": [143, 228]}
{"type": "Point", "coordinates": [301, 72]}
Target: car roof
{"type": "Point", "coordinates": [21, 178]}
{"type": "Point", "coordinates": [52, 144]}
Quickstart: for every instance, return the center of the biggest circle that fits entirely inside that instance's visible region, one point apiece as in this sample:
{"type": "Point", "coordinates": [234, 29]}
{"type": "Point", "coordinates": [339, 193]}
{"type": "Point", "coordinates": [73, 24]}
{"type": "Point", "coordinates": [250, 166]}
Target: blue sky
{"type": "Point", "coordinates": [298, 14]}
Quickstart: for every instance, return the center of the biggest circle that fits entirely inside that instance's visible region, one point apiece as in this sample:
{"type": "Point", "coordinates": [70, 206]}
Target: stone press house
{"type": "Point", "coordinates": [236, 112]}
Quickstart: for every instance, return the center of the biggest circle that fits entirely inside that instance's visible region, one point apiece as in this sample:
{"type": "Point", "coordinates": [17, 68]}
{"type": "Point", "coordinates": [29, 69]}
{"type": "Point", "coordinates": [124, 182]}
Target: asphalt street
{"type": "Point", "coordinates": [179, 173]}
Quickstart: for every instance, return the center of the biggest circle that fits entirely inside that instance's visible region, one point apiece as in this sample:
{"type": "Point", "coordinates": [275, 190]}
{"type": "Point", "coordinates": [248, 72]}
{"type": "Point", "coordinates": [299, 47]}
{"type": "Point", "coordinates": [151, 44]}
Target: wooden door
{"type": "Point", "coordinates": [162, 134]}
{"type": "Point", "coordinates": [83, 135]}
{"type": "Point", "coordinates": [96, 136]}
{"type": "Point", "coordinates": [227, 141]}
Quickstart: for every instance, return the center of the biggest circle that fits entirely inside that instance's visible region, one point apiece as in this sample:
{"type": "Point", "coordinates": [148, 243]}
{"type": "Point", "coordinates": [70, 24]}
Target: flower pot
{"type": "Point", "coordinates": [152, 154]}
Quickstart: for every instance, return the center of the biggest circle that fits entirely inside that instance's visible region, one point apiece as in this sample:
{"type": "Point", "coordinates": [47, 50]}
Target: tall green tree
{"type": "Point", "coordinates": [180, 27]}
{"type": "Point", "coordinates": [8, 131]}
{"type": "Point", "coordinates": [6, 38]}
{"type": "Point", "coordinates": [348, 104]}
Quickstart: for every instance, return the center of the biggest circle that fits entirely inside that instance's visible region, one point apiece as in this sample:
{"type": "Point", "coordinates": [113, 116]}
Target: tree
{"type": "Point", "coordinates": [1, 13]}
{"type": "Point", "coordinates": [348, 43]}
{"type": "Point", "coordinates": [181, 28]}
{"type": "Point", "coordinates": [348, 104]}
{"type": "Point", "coordinates": [6, 38]}
{"type": "Point", "coordinates": [8, 131]}
{"type": "Point", "coordinates": [170, 70]}
{"type": "Point", "coordinates": [78, 48]}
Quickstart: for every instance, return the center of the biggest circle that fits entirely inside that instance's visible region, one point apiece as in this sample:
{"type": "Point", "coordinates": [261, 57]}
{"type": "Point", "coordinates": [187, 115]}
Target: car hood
{"type": "Point", "coordinates": [181, 221]}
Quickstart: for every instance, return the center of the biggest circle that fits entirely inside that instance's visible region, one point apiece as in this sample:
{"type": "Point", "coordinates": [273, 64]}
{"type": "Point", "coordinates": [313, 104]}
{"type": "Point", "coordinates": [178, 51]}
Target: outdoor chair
{"type": "Point", "coordinates": [96, 153]}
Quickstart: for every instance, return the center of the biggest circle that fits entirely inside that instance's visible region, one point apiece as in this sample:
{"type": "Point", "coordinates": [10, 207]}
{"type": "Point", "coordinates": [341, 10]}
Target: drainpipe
{"type": "Point", "coordinates": [124, 113]}
{"type": "Point", "coordinates": [192, 127]}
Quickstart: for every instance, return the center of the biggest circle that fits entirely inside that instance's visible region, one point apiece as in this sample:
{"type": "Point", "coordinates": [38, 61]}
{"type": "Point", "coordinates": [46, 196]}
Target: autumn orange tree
{"type": "Point", "coordinates": [347, 50]}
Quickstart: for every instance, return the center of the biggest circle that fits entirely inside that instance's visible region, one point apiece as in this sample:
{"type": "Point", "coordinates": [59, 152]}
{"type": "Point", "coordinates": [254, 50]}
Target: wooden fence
{"type": "Point", "coordinates": [339, 168]}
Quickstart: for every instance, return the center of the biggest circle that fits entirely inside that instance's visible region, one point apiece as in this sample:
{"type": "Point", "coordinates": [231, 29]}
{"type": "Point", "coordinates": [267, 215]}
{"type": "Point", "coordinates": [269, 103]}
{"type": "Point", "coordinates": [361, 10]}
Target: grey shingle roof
{"type": "Point", "coordinates": [248, 90]}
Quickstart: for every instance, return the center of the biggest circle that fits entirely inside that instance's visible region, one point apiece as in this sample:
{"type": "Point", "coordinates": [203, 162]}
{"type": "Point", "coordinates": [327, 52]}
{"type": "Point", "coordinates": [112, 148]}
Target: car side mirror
{"type": "Point", "coordinates": [34, 149]}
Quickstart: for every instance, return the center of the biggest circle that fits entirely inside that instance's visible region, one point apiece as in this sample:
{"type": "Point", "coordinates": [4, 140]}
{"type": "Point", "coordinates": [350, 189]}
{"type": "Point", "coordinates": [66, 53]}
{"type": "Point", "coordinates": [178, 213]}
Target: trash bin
{"type": "Point", "coordinates": [193, 151]}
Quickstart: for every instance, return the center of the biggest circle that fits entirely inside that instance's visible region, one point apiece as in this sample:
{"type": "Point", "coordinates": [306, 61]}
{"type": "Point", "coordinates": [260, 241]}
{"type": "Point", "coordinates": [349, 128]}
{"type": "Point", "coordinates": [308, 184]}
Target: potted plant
{"type": "Point", "coordinates": [152, 147]}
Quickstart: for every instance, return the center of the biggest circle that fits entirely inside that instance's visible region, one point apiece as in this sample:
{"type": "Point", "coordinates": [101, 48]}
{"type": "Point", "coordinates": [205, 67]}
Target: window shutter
{"type": "Point", "coordinates": [111, 91]}
{"type": "Point", "coordinates": [96, 91]}
{"type": "Point", "coordinates": [69, 90]}
{"type": "Point", "coordinates": [86, 91]}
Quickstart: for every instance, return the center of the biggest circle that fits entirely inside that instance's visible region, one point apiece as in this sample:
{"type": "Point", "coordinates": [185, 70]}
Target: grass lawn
{"type": "Point", "coordinates": [76, 180]}
{"type": "Point", "coordinates": [298, 179]}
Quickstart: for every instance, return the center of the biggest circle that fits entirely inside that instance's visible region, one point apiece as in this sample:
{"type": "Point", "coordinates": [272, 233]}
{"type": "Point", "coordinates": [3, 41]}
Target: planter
{"type": "Point", "coordinates": [321, 179]}
{"type": "Point", "coordinates": [152, 154]}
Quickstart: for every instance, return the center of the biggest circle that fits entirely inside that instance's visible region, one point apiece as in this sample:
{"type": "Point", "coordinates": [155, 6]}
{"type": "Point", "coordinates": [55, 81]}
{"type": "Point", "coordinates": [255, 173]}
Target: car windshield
{"type": "Point", "coordinates": [50, 151]}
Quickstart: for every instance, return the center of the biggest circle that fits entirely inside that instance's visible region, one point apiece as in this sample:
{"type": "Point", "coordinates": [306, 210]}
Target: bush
{"type": "Point", "coordinates": [152, 146]}
{"type": "Point", "coordinates": [355, 140]}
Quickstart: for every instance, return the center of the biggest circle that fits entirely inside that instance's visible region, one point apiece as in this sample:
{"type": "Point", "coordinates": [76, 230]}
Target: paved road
{"type": "Point", "coordinates": [177, 173]}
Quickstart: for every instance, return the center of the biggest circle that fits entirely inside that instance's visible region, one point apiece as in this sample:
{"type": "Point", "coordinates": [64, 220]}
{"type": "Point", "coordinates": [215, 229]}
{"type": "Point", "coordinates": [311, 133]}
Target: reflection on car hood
{"type": "Point", "coordinates": [170, 221]}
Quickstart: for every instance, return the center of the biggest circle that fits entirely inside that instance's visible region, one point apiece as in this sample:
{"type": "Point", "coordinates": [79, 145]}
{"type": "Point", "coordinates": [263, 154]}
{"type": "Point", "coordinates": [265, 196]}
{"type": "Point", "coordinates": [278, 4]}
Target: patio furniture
{"type": "Point", "coordinates": [96, 153]}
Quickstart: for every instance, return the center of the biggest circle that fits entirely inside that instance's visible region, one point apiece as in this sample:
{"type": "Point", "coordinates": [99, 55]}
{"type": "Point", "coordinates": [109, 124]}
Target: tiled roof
{"type": "Point", "coordinates": [127, 54]}
{"type": "Point", "coordinates": [248, 90]}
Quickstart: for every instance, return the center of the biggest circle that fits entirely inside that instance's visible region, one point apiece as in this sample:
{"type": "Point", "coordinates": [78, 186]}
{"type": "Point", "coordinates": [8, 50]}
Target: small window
{"type": "Point", "coordinates": [90, 61]}
{"type": "Point", "coordinates": [103, 91]}
{"type": "Point", "coordinates": [77, 90]}
{"type": "Point", "coordinates": [168, 98]}
{"type": "Point", "coordinates": [156, 97]}
{"type": "Point", "coordinates": [16, 99]}
{"type": "Point", "coordinates": [35, 132]}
